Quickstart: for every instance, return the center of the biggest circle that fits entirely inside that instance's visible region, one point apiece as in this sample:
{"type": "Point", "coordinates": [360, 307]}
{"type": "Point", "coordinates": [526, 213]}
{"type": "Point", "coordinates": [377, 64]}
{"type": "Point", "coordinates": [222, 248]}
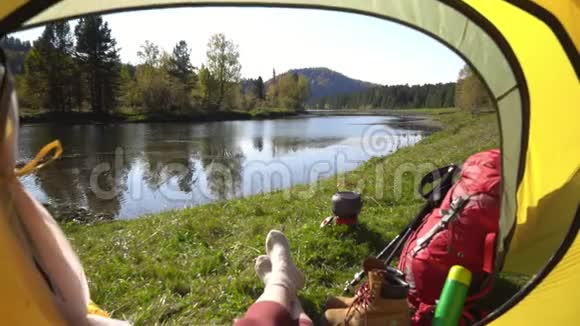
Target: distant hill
{"type": "Point", "coordinates": [325, 82]}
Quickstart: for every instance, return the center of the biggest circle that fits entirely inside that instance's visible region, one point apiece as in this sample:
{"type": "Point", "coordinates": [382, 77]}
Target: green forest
{"type": "Point", "coordinates": [80, 70]}
{"type": "Point", "coordinates": [68, 71]}
{"type": "Point", "coordinates": [393, 97]}
{"type": "Point", "coordinates": [468, 93]}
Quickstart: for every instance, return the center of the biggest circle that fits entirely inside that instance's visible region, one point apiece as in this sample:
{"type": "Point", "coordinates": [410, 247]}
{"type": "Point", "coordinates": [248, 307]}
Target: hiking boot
{"type": "Point", "coordinates": [368, 306]}
{"type": "Point", "coordinates": [369, 263]}
{"type": "Point", "coordinates": [338, 302]}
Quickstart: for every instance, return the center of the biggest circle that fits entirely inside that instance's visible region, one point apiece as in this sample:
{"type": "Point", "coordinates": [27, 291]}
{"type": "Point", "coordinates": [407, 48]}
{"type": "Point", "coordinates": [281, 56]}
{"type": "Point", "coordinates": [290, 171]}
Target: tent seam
{"type": "Point", "coordinates": [506, 93]}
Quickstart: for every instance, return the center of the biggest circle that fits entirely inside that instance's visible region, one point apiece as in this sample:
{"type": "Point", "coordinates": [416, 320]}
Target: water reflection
{"type": "Point", "coordinates": [222, 158]}
{"type": "Point", "coordinates": [126, 170]}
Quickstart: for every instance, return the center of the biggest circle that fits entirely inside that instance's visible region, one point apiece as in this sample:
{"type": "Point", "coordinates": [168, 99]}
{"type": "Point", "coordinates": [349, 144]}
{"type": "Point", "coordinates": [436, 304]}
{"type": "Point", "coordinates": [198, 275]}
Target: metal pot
{"type": "Point", "coordinates": [346, 204]}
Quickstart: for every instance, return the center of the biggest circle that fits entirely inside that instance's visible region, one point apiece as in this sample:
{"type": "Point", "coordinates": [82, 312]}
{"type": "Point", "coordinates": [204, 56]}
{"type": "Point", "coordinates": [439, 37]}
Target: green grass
{"type": "Point", "coordinates": [267, 112]}
{"type": "Point", "coordinates": [395, 112]}
{"type": "Point", "coordinates": [430, 111]}
{"type": "Point", "coordinates": [195, 266]}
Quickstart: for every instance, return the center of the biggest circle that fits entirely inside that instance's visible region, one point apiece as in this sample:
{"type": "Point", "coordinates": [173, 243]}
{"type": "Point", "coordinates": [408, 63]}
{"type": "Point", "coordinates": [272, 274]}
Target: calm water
{"type": "Point", "coordinates": [126, 170]}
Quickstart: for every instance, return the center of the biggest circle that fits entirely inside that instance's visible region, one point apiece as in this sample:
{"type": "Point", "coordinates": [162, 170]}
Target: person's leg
{"type": "Point", "coordinates": [273, 291]}
{"type": "Point", "coordinates": [298, 313]}
{"type": "Point", "coordinates": [282, 281]}
{"type": "Point", "coordinates": [263, 268]}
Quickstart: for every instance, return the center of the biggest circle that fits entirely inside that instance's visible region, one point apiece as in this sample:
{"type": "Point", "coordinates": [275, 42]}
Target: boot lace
{"type": "Point", "coordinates": [363, 298]}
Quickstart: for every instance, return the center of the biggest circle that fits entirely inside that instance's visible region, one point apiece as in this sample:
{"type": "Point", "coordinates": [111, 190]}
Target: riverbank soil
{"type": "Point", "coordinates": [195, 266]}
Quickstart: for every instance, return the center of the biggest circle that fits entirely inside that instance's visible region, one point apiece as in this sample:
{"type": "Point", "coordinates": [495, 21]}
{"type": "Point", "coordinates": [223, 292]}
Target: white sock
{"type": "Point", "coordinates": [263, 267]}
{"type": "Point", "coordinates": [284, 272]}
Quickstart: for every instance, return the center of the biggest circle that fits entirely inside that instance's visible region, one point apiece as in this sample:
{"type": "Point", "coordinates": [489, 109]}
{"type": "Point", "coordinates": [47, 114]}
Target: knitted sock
{"type": "Point", "coordinates": [263, 267]}
{"type": "Point", "coordinates": [284, 272]}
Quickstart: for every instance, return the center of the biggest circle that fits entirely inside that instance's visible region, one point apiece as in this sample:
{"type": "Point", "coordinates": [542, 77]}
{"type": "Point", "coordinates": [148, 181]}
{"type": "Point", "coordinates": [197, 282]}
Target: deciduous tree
{"type": "Point", "coordinates": [223, 64]}
{"type": "Point", "coordinates": [205, 89]}
{"type": "Point", "coordinates": [470, 93]}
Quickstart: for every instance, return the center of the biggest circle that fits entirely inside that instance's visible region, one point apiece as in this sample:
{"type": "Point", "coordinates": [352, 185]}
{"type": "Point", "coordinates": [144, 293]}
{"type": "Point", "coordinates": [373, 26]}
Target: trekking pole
{"type": "Point", "coordinates": [360, 275]}
{"type": "Point", "coordinates": [433, 198]}
{"type": "Point", "coordinates": [391, 249]}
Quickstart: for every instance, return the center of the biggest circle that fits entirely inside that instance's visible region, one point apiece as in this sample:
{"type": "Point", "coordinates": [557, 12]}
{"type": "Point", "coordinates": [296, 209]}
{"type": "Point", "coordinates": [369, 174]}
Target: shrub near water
{"type": "Point", "coordinates": [195, 266]}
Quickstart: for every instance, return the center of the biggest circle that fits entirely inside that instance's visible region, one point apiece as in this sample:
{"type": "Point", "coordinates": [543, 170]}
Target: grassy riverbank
{"type": "Point", "coordinates": [195, 266]}
{"type": "Point", "coordinates": [28, 116]}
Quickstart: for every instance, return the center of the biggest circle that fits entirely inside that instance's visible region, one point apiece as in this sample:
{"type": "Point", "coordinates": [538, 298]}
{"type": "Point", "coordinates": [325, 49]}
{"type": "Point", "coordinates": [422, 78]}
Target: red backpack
{"type": "Point", "coordinates": [462, 231]}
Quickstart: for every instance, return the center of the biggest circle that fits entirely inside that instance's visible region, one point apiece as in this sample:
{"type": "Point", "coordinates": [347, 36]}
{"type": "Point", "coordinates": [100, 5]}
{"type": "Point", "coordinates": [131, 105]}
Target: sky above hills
{"type": "Point", "coordinates": [358, 46]}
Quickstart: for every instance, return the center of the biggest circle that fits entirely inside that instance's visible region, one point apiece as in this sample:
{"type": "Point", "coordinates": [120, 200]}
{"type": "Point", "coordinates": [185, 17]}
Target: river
{"type": "Point", "coordinates": [122, 171]}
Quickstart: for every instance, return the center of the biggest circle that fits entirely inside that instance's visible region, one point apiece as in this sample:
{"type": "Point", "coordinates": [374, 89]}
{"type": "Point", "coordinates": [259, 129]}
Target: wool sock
{"type": "Point", "coordinates": [263, 267]}
{"type": "Point", "coordinates": [284, 271]}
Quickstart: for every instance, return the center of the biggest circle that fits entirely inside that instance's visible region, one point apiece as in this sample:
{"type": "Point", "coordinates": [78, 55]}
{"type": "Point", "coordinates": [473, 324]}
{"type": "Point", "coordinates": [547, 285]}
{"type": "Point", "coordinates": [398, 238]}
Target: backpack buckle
{"type": "Point", "coordinates": [448, 216]}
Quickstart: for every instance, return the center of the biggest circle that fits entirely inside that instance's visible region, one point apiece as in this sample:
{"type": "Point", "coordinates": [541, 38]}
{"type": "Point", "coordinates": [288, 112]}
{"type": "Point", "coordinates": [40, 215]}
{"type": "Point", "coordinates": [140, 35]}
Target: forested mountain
{"type": "Point", "coordinates": [16, 52]}
{"type": "Point", "coordinates": [325, 82]}
{"type": "Point", "coordinates": [392, 97]}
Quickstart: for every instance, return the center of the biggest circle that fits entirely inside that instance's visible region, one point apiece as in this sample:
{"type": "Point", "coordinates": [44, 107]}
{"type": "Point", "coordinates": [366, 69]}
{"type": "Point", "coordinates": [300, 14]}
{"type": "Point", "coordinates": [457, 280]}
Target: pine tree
{"type": "Point", "coordinates": [259, 88]}
{"type": "Point", "coordinates": [96, 51]}
{"type": "Point", "coordinates": [180, 64]}
{"type": "Point", "coordinates": [272, 90]}
{"type": "Point", "coordinates": [50, 68]}
{"type": "Point", "coordinates": [393, 97]}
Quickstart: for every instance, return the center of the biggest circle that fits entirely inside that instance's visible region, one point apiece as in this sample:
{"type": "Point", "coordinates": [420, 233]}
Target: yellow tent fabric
{"type": "Point", "coordinates": [567, 14]}
{"type": "Point", "coordinates": [7, 7]}
{"type": "Point", "coordinates": [527, 53]}
{"type": "Point", "coordinates": [551, 158]}
{"type": "Point", "coordinates": [24, 290]}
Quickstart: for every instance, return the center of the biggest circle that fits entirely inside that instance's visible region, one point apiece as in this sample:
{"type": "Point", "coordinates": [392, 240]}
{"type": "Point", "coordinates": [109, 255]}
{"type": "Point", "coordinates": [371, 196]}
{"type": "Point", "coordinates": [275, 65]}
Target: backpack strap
{"type": "Point", "coordinates": [449, 216]}
{"type": "Point", "coordinates": [471, 307]}
{"type": "Point", "coordinates": [438, 191]}
{"type": "Point", "coordinates": [489, 253]}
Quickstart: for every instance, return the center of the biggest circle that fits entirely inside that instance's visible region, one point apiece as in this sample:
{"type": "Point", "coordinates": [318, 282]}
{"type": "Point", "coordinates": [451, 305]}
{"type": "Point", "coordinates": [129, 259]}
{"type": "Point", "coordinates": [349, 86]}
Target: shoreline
{"type": "Point", "coordinates": [424, 119]}
{"type": "Point", "coordinates": [421, 118]}
{"type": "Point", "coordinates": [422, 122]}
{"type": "Point", "coordinates": [81, 118]}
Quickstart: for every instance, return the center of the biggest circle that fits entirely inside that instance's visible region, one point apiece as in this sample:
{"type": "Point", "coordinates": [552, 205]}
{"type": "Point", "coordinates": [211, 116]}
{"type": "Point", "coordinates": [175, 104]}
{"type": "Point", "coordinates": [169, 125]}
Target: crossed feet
{"type": "Point", "coordinates": [278, 268]}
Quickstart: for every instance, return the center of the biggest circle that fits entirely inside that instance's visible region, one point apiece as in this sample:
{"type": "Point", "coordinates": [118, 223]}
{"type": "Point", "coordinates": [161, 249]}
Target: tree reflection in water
{"type": "Point", "coordinates": [126, 170]}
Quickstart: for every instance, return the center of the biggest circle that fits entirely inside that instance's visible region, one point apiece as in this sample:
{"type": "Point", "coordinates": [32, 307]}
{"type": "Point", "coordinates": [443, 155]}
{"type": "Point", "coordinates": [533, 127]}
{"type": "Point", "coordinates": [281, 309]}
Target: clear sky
{"type": "Point", "coordinates": [360, 47]}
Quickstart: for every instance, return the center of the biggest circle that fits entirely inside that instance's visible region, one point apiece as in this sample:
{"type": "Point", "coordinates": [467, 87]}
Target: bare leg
{"type": "Point", "coordinates": [298, 313]}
